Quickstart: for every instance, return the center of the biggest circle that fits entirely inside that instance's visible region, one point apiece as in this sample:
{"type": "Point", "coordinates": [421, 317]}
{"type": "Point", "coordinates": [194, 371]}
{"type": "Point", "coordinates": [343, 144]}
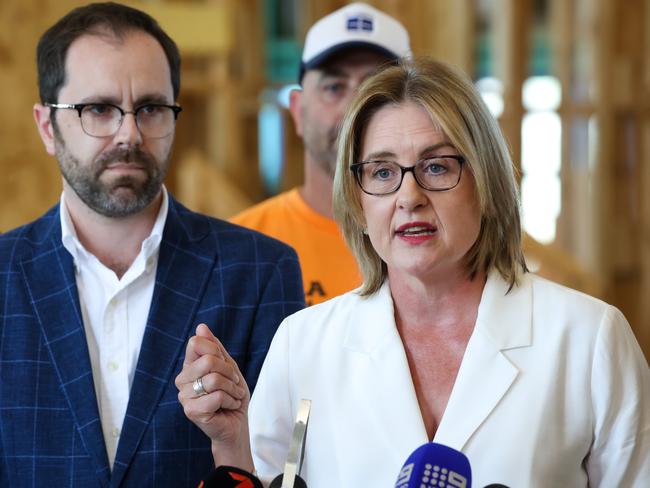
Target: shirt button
{"type": "Point", "coordinates": [112, 366]}
{"type": "Point", "coordinates": [115, 432]}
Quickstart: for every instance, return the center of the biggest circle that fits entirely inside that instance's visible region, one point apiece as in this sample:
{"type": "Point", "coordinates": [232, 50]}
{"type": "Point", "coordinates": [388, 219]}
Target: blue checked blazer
{"type": "Point", "coordinates": [239, 282]}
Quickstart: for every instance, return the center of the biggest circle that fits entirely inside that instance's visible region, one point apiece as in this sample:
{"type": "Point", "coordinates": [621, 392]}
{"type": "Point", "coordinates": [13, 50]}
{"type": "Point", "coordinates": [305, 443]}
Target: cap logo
{"type": "Point", "coordinates": [360, 23]}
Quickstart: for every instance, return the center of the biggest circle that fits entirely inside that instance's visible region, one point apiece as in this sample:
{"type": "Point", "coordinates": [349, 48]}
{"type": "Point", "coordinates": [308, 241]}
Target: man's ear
{"type": "Point", "coordinates": [295, 107]}
{"type": "Point", "coordinates": [44, 125]}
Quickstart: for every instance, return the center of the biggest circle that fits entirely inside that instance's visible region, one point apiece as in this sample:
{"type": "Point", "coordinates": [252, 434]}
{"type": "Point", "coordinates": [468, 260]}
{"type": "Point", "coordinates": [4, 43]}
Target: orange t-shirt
{"type": "Point", "coordinates": [328, 267]}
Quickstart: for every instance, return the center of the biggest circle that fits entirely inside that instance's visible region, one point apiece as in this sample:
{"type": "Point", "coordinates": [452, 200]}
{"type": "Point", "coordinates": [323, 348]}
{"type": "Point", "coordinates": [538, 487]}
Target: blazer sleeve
{"type": "Point", "coordinates": [281, 295]}
{"type": "Point", "coordinates": [270, 411]}
{"type": "Point", "coordinates": [620, 385]}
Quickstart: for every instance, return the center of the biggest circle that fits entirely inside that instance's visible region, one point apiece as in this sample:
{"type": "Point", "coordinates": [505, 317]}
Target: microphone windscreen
{"type": "Point", "coordinates": [435, 465]}
{"type": "Point", "coordinates": [298, 482]}
{"type": "Point", "coordinates": [230, 477]}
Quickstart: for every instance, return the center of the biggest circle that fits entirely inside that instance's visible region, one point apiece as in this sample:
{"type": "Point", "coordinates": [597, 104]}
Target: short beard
{"type": "Point", "coordinates": [325, 157]}
{"type": "Point", "coordinates": [122, 197]}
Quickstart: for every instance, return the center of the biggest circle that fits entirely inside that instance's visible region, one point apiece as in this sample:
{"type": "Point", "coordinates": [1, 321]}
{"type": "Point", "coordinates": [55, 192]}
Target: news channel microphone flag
{"type": "Point", "coordinates": [357, 25]}
{"type": "Point", "coordinates": [435, 465]}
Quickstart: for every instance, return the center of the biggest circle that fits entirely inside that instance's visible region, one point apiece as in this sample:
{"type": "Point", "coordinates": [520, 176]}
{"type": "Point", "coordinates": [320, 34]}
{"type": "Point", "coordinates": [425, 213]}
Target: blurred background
{"type": "Point", "coordinates": [568, 80]}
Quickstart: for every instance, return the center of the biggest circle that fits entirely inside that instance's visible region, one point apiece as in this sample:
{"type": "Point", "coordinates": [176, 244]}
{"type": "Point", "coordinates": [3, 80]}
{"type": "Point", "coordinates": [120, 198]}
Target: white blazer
{"type": "Point", "coordinates": [553, 391]}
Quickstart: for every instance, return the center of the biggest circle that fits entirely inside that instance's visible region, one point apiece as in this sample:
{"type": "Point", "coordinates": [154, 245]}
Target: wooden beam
{"type": "Point", "coordinates": [512, 22]}
{"type": "Point", "coordinates": [198, 28]}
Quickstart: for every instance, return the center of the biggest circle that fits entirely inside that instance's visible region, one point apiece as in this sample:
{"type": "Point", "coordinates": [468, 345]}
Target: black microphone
{"type": "Point", "coordinates": [298, 482]}
{"type": "Point", "coordinates": [496, 485]}
{"type": "Point", "coordinates": [291, 476]}
{"type": "Point", "coordinates": [230, 477]}
{"type": "Point", "coordinates": [435, 465]}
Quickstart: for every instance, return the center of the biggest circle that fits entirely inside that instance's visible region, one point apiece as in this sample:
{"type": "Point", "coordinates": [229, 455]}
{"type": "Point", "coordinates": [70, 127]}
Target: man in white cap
{"type": "Point", "coordinates": [341, 50]}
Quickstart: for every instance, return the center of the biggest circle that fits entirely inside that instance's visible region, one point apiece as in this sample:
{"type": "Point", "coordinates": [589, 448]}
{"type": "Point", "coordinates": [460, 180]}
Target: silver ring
{"type": "Point", "coordinates": [197, 386]}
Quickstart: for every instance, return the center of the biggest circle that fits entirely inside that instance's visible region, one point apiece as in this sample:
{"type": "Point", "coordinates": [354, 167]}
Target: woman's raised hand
{"type": "Point", "coordinates": [215, 398]}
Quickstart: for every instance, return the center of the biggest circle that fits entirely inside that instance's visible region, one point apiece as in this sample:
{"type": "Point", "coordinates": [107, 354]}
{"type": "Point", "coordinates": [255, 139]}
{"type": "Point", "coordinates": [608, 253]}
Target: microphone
{"type": "Point", "coordinates": [230, 477]}
{"type": "Point", "coordinates": [290, 478]}
{"type": "Point", "coordinates": [435, 465]}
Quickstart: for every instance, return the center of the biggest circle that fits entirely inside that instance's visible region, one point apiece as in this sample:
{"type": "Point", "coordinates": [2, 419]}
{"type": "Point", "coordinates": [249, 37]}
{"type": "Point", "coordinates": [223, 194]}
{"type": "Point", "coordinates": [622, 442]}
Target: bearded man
{"type": "Point", "coordinates": [341, 50]}
{"type": "Point", "coordinates": [99, 296]}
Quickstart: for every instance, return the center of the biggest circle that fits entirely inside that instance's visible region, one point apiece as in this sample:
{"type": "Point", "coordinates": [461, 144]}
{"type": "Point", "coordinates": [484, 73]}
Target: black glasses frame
{"type": "Point", "coordinates": [80, 106]}
{"type": "Point", "coordinates": [357, 167]}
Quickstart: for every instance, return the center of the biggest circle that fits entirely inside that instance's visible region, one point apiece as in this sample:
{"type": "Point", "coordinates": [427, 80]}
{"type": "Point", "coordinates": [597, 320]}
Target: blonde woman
{"type": "Point", "coordinates": [449, 339]}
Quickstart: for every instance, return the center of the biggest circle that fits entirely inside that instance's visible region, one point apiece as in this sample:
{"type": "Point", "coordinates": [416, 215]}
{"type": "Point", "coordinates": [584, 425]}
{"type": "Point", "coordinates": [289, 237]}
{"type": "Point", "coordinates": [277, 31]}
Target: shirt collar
{"type": "Point", "coordinates": [150, 245]}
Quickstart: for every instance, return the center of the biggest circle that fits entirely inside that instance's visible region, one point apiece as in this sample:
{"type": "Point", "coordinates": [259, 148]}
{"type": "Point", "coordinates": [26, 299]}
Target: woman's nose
{"type": "Point", "coordinates": [410, 195]}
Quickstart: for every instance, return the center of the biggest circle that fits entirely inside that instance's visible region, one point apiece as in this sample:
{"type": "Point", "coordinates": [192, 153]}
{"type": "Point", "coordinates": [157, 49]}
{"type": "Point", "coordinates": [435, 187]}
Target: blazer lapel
{"type": "Point", "coordinates": [391, 393]}
{"type": "Point", "coordinates": [185, 262]}
{"type": "Point", "coordinates": [486, 374]}
{"type": "Point", "coordinates": [51, 284]}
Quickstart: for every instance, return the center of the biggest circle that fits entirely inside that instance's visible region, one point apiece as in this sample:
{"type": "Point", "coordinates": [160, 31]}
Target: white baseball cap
{"type": "Point", "coordinates": [357, 25]}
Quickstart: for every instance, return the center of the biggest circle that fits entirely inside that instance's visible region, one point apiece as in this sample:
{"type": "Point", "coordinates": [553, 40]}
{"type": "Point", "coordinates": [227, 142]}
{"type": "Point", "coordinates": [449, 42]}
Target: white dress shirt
{"type": "Point", "coordinates": [114, 313]}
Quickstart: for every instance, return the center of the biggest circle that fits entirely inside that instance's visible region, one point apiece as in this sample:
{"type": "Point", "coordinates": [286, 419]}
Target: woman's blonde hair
{"type": "Point", "coordinates": [456, 107]}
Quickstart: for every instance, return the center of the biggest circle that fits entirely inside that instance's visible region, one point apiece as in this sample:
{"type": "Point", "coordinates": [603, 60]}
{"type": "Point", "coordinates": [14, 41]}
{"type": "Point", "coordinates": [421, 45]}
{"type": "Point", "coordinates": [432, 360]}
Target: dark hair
{"type": "Point", "coordinates": [96, 19]}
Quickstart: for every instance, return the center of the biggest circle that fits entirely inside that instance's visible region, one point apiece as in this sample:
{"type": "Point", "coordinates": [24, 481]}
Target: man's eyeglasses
{"type": "Point", "coordinates": [154, 120]}
{"type": "Point", "coordinates": [438, 173]}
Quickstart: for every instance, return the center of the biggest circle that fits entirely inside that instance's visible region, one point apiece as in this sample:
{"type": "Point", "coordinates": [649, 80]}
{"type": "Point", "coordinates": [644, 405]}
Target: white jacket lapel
{"type": "Point", "coordinates": [486, 374]}
{"type": "Point", "coordinates": [373, 332]}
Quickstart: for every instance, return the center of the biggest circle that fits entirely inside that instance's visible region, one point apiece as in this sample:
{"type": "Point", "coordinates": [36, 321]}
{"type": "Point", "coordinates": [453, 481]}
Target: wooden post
{"type": "Point", "coordinates": [512, 23]}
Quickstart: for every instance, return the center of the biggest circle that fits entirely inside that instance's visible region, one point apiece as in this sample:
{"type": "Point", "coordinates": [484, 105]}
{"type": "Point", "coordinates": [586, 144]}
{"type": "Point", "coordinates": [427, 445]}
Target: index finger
{"type": "Point", "coordinates": [204, 331]}
{"type": "Point", "coordinates": [199, 345]}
